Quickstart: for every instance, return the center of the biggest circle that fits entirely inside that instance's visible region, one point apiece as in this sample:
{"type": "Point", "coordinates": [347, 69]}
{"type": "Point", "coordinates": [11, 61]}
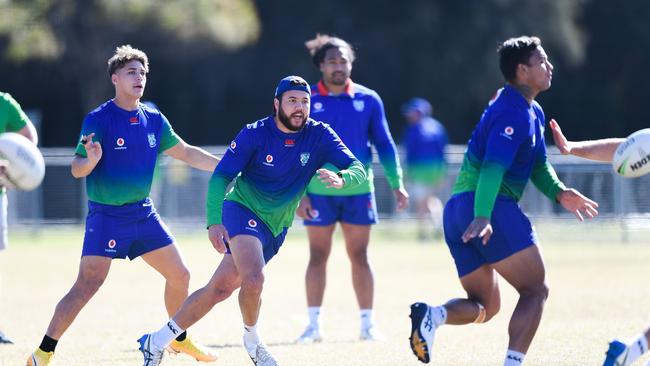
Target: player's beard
{"type": "Point", "coordinates": [286, 120]}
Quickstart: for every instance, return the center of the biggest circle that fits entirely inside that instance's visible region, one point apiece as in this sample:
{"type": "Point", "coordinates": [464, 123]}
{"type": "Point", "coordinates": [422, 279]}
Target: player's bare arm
{"type": "Point", "coordinates": [194, 156]}
{"type": "Point", "coordinates": [81, 166]}
{"type": "Point", "coordinates": [29, 131]}
{"type": "Point", "coordinates": [304, 209]}
{"type": "Point", "coordinates": [330, 178]}
{"type": "Point", "coordinates": [402, 198]}
{"type": "Point", "coordinates": [599, 150]}
{"type": "Point", "coordinates": [575, 202]}
{"type": "Point", "coordinates": [218, 236]}
{"type": "Point", "coordinates": [479, 227]}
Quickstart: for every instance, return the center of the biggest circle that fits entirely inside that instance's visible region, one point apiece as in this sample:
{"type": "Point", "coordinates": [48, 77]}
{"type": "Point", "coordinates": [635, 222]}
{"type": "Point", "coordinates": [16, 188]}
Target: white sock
{"type": "Point", "coordinates": [314, 317]}
{"type": "Point", "coordinates": [166, 334]}
{"type": "Point", "coordinates": [367, 318]}
{"type": "Point", "coordinates": [637, 347]}
{"type": "Point", "coordinates": [514, 358]}
{"type": "Point", "coordinates": [439, 314]}
{"type": "Point", "coordinates": [251, 338]}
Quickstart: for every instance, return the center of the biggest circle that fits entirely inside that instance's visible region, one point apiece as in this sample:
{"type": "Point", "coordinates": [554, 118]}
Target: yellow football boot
{"type": "Point", "coordinates": [196, 350]}
{"type": "Point", "coordinates": [40, 358]}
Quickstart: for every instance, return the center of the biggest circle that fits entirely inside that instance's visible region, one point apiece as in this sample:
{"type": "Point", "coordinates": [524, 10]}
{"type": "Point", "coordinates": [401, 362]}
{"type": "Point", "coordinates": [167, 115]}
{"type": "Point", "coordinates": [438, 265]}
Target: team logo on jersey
{"type": "Point", "coordinates": [252, 224]}
{"type": "Point", "coordinates": [134, 120]}
{"type": "Point", "coordinates": [304, 158]}
{"type": "Point", "coordinates": [233, 145]}
{"type": "Point", "coordinates": [152, 140]}
{"type": "Point", "coordinates": [289, 143]}
{"type": "Point", "coordinates": [269, 160]}
{"type": "Point", "coordinates": [112, 243]}
{"type": "Point", "coordinates": [120, 144]}
{"type": "Point", "coordinates": [359, 105]}
{"type": "Point", "coordinates": [507, 132]}
{"type": "Point", "coordinates": [318, 107]}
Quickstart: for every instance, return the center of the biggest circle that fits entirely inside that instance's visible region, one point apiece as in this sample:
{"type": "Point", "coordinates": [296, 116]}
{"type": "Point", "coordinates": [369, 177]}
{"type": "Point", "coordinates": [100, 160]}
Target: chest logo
{"type": "Point", "coordinates": [134, 121]}
{"type": "Point", "coordinates": [112, 243]}
{"type": "Point", "coordinates": [152, 140]}
{"type": "Point", "coordinates": [318, 107]}
{"type": "Point", "coordinates": [120, 142]}
{"type": "Point", "coordinates": [252, 223]}
{"type": "Point", "coordinates": [289, 143]}
{"type": "Point", "coordinates": [269, 159]}
{"type": "Point", "coordinates": [358, 105]}
{"type": "Point", "coordinates": [508, 132]}
{"type": "Point", "coordinates": [304, 158]}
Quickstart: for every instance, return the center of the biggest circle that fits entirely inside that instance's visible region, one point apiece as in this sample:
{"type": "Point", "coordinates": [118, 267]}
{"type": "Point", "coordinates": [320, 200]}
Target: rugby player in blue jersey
{"type": "Point", "coordinates": [117, 153]}
{"type": "Point", "coordinates": [485, 229]}
{"type": "Point", "coordinates": [356, 113]}
{"type": "Point", "coordinates": [277, 156]}
{"type": "Point", "coordinates": [621, 351]}
{"type": "Point", "coordinates": [426, 169]}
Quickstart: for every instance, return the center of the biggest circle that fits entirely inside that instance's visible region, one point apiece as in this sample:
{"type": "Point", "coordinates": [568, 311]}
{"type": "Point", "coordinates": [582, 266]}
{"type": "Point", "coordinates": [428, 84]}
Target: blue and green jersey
{"type": "Point", "coordinates": [131, 142]}
{"type": "Point", "coordinates": [506, 150]}
{"type": "Point", "coordinates": [358, 117]}
{"type": "Point", "coordinates": [272, 168]}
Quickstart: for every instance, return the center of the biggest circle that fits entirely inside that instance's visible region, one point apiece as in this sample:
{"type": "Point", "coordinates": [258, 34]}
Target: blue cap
{"type": "Point", "coordinates": [417, 104]}
{"type": "Point", "coordinates": [292, 83]}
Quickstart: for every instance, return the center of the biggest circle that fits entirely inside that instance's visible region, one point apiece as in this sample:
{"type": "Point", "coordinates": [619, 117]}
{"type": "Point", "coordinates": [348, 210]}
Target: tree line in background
{"type": "Point", "coordinates": [215, 63]}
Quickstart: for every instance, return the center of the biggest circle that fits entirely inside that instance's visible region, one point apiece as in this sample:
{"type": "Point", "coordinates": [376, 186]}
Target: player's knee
{"type": "Point", "coordinates": [318, 257]}
{"type": "Point", "coordinates": [180, 279]}
{"type": "Point", "coordinates": [491, 310]}
{"type": "Point", "coordinates": [539, 292]}
{"type": "Point", "coordinates": [253, 283]}
{"type": "Point", "coordinates": [359, 257]}
{"type": "Point", "coordinates": [223, 291]}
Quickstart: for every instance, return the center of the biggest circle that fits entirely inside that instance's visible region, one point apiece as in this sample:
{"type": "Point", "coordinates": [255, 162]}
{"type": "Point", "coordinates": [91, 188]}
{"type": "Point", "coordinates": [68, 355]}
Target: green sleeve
{"type": "Point", "coordinates": [216, 193]}
{"type": "Point", "coordinates": [168, 138]}
{"type": "Point", "coordinates": [13, 117]}
{"type": "Point", "coordinates": [354, 175]}
{"type": "Point", "coordinates": [487, 188]}
{"type": "Point", "coordinates": [546, 180]}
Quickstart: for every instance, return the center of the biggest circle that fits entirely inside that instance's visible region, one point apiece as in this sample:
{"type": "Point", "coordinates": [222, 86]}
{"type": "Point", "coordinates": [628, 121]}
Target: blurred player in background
{"type": "Point", "coordinates": [622, 351]}
{"type": "Point", "coordinates": [117, 153]}
{"type": "Point", "coordinates": [485, 229]}
{"type": "Point", "coordinates": [356, 113]}
{"type": "Point", "coordinates": [277, 157]}
{"type": "Point", "coordinates": [12, 119]}
{"type": "Point", "coordinates": [426, 169]}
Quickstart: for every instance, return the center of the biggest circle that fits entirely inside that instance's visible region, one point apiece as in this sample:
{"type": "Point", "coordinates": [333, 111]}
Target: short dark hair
{"type": "Point", "coordinates": [125, 54]}
{"type": "Point", "coordinates": [516, 51]}
{"type": "Point", "coordinates": [322, 43]}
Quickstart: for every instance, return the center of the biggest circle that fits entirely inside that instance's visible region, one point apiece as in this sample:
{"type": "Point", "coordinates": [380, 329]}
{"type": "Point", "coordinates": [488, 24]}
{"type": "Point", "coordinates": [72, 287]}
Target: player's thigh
{"type": "Point", "coordinates": [167, 261]}
{"type": "Point", "coordinates": [356, 237]}
{"type": "Point", "coordinates": [320, 238]}
{"type": "Point", "coordinates": [93, 269]}
{"type": "Point", "coordinates": [226, 275]}
{"type": "Point", "coordinates": [247, 254]}
{"type": "Point", "coordinates": [482, 285]}
{"type": "Point", "coordinates": [524, 270]}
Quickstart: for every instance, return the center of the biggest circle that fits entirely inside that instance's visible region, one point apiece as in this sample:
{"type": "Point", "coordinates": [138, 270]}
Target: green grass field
{"type": "Point", "coordinates": [598, 291]}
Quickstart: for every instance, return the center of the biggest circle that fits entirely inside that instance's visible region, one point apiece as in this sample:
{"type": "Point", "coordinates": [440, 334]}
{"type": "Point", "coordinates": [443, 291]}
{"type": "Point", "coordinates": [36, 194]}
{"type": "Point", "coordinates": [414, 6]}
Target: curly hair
{"type": "Point", "coordinates": [125, 54]}
{"type": "Point", "coordinates": [322, 43]}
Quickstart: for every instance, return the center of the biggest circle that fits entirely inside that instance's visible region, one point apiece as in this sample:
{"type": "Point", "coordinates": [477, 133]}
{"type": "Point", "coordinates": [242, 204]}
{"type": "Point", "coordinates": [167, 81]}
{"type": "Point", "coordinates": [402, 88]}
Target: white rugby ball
{"type": "Point", "coordinates": [26, 167]}
{"type": "Point", "coordinates": [632, 157]}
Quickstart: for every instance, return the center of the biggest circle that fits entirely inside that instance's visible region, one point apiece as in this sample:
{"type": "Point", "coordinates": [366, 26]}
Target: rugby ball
{"type": "Point", "coordinates": [632, 157]}
{"type": "Point", "coordinates": [26, 167]}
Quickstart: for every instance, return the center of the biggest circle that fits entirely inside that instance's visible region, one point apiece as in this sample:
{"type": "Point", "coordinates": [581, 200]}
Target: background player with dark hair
{"type": "Point", "coordinates": [357, 115]}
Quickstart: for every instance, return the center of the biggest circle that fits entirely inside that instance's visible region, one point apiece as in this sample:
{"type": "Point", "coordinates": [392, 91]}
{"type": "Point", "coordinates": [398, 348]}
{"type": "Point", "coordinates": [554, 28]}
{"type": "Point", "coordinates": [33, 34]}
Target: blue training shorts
{"type": "Point", "coordinates": [359, 209]}
{"type": "Point", "coordinates": [239, 220]}
{"type": "Point", "coordinates": [129, 230]}
{"type": "Point", "coordinates": [513, 232]}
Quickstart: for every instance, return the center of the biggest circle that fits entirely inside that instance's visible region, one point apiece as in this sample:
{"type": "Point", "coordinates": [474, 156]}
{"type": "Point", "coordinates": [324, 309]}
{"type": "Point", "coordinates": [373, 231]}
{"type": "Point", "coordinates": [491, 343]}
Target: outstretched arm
{"type": "Point", "coordinates": [600, 150]}
{"type": "Point", "coordinates": [193, 156]}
